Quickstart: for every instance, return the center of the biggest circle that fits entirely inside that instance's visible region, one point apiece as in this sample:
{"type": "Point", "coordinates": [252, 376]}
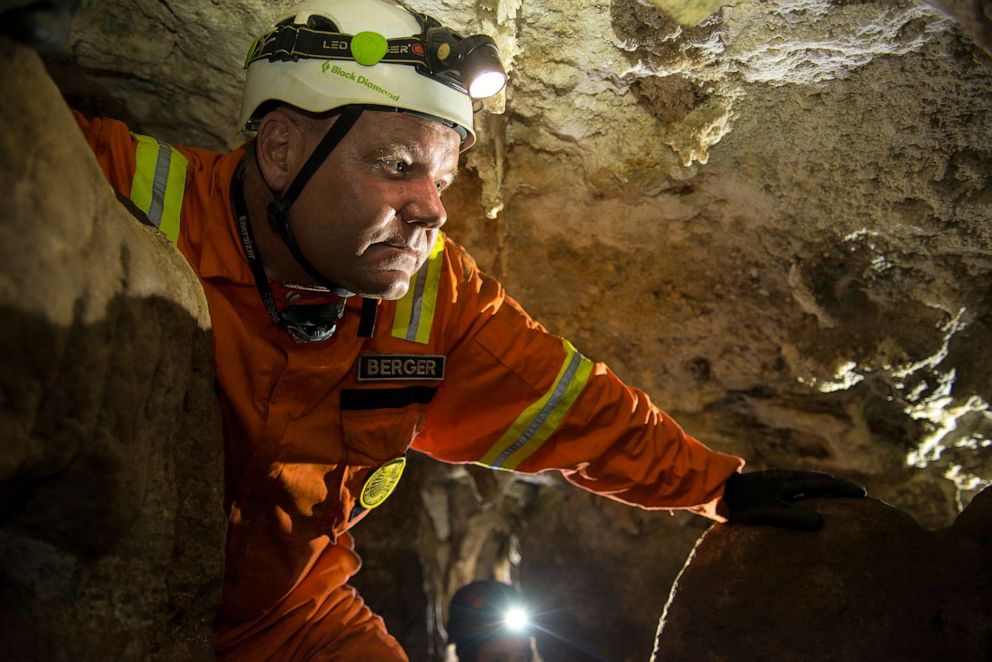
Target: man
{"type": "Point", "coordinates": [348, 329]}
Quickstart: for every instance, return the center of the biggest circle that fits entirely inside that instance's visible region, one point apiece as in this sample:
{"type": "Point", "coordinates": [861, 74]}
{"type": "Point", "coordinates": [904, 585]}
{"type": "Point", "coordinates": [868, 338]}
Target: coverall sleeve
{"type": "Point", "coordinates": [516, 397]}
{"type": "Point", "coordinates": [150, 176]}
{"type": "Point", "coordinates": [114, 148]}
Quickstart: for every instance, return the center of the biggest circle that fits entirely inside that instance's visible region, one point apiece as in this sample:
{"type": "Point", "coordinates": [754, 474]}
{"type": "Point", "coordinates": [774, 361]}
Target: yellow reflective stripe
{"type": "Point", "coordinates": [414, 314]}
{"type": "Point", "coordinates": [159, 183]}
{"type": "Point", "coordinates": [540, 420]}
{"type": "Point", "coordinates": [146, 158]}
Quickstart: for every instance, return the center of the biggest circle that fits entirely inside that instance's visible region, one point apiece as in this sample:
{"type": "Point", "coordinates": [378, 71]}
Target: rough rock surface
{"type": "Point", "coordinates": [785, 239]}
{"type": "Point", "coordinates": [111, 545]}
{"type": "Point", "coordinates": [873, 585]}
{"type": "Point", "coordinates": [778, 222]}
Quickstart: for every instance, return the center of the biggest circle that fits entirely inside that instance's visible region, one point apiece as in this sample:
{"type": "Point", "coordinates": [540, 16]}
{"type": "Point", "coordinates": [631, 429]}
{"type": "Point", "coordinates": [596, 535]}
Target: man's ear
{"type": "Point", "coordinates": [278, 146]}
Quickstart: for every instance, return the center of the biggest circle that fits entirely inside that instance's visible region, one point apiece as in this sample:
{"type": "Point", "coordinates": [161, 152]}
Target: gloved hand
{"type": "Point", "coordinates": [41, 24]}
{"type": "Point", "coordinates": [768, 497]}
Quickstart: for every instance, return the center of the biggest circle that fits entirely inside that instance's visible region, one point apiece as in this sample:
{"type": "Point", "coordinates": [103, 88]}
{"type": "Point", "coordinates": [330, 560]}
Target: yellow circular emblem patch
{"type": "Point", "coordinates": [382, 482]}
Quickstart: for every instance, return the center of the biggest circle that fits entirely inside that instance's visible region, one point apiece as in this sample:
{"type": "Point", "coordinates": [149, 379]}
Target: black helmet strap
{"type": "Point", "coordinates": [305, 323]}
{"type": "Point", "coordinates": [278, 209]}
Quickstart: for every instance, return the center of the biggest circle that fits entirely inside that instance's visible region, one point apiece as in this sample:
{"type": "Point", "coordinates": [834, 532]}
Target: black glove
{"type": "Point", "coordinates": [41, 24]}
{"type": "Point", "coordinates": [767, 497]}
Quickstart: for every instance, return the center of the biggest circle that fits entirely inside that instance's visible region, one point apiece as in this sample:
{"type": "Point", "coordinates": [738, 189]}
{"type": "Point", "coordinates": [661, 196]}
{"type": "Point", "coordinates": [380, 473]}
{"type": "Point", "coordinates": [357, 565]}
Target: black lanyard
{"type": "Point", "coordinates": [304, 323]}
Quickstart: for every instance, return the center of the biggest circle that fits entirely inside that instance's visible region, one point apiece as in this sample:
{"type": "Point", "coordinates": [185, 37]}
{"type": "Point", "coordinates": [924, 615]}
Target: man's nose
{"type": "Point", "coordinates": [424, 205]}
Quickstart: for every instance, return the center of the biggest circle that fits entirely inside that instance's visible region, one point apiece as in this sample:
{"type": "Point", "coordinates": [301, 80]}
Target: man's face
{"type": "Point", "coordinates": [370, 215]}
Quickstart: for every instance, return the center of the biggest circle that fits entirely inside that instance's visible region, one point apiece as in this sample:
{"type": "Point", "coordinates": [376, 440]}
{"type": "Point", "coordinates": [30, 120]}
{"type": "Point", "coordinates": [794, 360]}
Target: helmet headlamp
{"type": "Point", "coordinates": [470, 64]}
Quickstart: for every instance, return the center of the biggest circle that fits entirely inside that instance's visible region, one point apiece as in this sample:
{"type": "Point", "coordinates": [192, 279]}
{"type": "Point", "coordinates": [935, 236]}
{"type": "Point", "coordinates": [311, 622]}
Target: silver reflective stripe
{"type": "Point", "coordinates": [414, 313]}
{"type": "Point", "coordinates": [418, 297]}
{"type": "Point", "coordinates": [159, 182]}
{"type": "Point", "coordinates": [549, 406]}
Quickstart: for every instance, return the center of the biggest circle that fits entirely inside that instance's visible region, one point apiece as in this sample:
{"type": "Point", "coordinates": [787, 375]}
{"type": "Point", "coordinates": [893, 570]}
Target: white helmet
{"type": "Point", "coordinates": [333, 53]}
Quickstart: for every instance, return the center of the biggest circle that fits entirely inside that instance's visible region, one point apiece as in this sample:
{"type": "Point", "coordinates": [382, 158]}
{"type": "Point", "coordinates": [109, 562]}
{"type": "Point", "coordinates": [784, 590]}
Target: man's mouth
{"type": "Point", "coordinates": [398, 255]}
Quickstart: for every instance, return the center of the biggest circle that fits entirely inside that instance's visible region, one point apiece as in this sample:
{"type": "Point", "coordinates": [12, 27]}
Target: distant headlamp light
{"type": "Point", "coordinates": [516, 619]}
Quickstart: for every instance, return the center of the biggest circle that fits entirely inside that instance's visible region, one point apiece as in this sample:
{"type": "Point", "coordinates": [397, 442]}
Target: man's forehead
{"type": "Point", "coordinates": [390, 130]}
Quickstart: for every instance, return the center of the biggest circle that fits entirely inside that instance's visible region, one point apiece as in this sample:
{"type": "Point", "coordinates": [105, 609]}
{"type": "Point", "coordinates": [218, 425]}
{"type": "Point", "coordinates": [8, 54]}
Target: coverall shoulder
{"type": "Point", "coordinates": [456, 369]}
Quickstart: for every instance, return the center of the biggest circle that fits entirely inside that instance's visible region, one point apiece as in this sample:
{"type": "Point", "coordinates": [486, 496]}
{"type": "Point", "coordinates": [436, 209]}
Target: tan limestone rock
{"type": "Point", "coordinates": [111, 544]}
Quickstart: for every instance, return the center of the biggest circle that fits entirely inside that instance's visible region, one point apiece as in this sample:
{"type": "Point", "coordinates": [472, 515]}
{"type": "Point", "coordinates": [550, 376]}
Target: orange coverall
{"type": "Point", "coordinates": [306, 424]}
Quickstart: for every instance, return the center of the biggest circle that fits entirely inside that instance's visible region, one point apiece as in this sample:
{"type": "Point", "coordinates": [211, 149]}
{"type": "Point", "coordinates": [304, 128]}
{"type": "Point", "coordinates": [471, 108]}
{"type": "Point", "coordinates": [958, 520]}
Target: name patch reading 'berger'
{"type": "Point", "coordinates": [400, 367]}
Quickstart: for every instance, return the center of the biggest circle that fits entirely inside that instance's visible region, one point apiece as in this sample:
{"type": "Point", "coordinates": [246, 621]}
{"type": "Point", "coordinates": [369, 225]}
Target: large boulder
{"type": "Point", "coordinates": [111, 507]}
{"type": "Point", "coordinates": [872, 585]}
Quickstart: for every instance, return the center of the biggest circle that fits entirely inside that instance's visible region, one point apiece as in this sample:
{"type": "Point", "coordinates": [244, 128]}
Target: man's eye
{"type": "Point", "coordinates": [396, 165]}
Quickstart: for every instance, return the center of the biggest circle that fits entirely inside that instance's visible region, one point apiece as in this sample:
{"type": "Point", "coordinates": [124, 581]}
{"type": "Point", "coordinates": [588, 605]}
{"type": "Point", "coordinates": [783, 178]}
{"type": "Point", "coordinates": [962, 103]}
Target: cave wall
{"type": "Point", "coordinates": [775, 220]}
{"type": "Point", "coordinates": [111, 515]}
{"type": "Point", "coordinates": [775, 223]}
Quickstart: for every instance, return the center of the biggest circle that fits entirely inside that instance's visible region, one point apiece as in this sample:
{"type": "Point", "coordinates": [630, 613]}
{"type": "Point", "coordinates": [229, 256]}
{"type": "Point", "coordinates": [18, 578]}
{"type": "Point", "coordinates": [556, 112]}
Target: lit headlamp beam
{"type": "Point", "coordinates": [481, 68]}
{"type": "Point", "coordinates": [516, 619]}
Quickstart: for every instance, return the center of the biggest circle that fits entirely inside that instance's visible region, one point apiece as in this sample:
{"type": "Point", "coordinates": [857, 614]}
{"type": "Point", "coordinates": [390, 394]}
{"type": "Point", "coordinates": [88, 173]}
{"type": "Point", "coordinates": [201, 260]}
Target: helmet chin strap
{"type": "Point", "coordinates": [278, 209]}
{"type": "Point", "coordinates": [278, 216]}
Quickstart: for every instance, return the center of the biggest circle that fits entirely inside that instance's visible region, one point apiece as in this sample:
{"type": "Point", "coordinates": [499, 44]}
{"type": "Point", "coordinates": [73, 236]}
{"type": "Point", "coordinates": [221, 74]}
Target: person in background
{"type": "Point", "coordinates": [488, 622]}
